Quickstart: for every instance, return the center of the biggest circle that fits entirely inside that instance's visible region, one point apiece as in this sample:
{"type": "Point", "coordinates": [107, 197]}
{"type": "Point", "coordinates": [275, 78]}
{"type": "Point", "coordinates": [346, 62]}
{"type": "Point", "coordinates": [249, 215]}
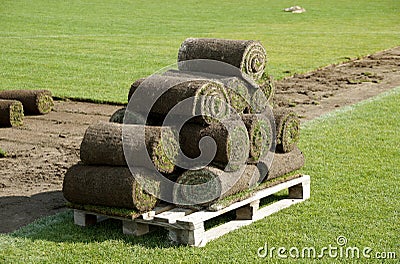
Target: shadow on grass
{"type": "Point", "coordinates": [60, 228]}
{"type": "Point", "coordinates": [18, 211]}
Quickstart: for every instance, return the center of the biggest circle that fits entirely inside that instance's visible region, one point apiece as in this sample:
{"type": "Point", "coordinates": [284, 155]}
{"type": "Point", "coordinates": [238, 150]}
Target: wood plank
{"type": "Point", "coordinates": [170, 216]}
{"type": "Point", "coordinates": [158, 223]}
{"type": "Point", "coordinates": [158, 210]}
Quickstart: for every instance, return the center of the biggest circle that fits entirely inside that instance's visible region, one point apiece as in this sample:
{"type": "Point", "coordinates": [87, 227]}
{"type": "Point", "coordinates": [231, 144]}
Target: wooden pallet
{"type": "Point", "coordinates": [186, 226]}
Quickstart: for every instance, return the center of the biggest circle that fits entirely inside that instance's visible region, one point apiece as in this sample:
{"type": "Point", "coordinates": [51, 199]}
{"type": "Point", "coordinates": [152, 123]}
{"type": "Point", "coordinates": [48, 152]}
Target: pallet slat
{"type": "Point", "coordinates": [171, 215]}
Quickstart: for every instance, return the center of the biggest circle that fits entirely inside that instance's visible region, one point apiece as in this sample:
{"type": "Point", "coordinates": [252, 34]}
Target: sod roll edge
{"type": "Point", "coordinates": [11, 113]}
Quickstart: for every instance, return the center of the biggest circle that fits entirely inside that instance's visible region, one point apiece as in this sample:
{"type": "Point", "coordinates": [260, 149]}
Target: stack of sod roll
{"type": "Point", "coordinates": [103, 176]}
{"type": "Point", "coordinates": [15, 103]}
{"type": "Point", "coordinates": [231, 106]}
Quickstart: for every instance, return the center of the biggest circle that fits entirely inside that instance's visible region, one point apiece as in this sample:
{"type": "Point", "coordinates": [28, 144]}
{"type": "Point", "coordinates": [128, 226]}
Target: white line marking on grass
{"type": "Point", "coordinates": [70, 36]}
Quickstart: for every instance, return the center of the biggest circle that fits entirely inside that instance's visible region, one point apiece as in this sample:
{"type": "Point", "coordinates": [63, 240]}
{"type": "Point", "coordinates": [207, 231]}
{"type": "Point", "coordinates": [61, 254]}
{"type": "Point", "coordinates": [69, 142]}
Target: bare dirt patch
{"type": "Point", "coordinates": [321, 91]}
{"type": "Point", "coordinates": [40, 152]}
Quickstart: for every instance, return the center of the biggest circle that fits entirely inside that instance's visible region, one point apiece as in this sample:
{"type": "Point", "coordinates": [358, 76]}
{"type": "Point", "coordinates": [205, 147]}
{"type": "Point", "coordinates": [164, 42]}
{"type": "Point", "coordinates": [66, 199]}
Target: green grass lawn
{"type": "Point", "coordinates": [353, 158]}
{"type": "Point", "coordinates": [95, 50]}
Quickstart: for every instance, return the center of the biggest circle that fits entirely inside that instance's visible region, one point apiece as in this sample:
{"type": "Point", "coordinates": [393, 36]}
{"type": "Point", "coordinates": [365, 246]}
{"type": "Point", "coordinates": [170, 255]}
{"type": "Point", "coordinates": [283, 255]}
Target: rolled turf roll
{"type": "Point", "coordinates": [287, 129]}
{"type": "Point", "coordinates": [34, 101]}
{"type": "Point", "coordinates": [260, 136]}
{"type": "Point", "coordinates": [11, 113]}
{"type": "Point", "coordinates": [134, 118]}
{"type": "Point", "coordinates": [102, 144]}
{"type": "Point", "coordinates": [118, 116]}
{"type": "Point", "coordinates": [261, 96]}
{"type": "Point", "coordinates": [236, 87]}
{"type": "Point", "coordinates": [210, 184]}
{"type": "Point", "coordinates": [232, 143]}
{"type": "Point", "coordinates": [247, 55]}
{"type": "Point", "coordinates": [238, 94]}
{"type": "Point", "coordinates": [108, 186]}
{"type": "Point", "coordinates": [267, 85]}
{"type": "Point", "coordinates": [134, 86]}
{"type": "Point", "coordinates": [282, 164]}
{"type": "Point", "coordinates": [210, 100]}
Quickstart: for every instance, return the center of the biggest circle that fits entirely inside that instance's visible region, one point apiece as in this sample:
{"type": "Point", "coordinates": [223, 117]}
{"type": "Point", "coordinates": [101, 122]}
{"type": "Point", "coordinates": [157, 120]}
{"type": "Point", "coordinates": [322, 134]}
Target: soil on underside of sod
{"type": "Point", "coordinates": [40, 152]}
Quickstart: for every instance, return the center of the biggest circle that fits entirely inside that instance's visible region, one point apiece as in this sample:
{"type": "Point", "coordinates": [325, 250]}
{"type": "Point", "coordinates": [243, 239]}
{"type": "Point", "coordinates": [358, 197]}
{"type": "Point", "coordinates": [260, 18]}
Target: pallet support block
{"type": "Point", "coordinates": [132, 228]}
{"type": "Point", "coordinates": [193, 237]}
{"type": "Point", "coordinates": [82, 218]}
{"type": "Point", "coordinates": [247, 212]}
{"type": "Point", "coordinates": [300, 191]}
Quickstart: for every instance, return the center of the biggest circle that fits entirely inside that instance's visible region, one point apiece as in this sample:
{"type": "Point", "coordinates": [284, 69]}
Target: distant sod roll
{"type": "Point", "coordinates": [260, 136]}
{"type": "Point", "coordinates": [134, 86]}
{"type": "Point", "coordinates": [210, 184]}
{"type": "Point", "coordinates": [287, 129]}
{"type": "Point", "coordinates": [102, 144]}
{"type": "Point", "coordinates": [109, 186]}
{"type": "Point", "coordinates": [134, 118]}
{"type": "Point", "coordinates": [35, 102]}
{"type": "Point", "coordinates": [11, 113]}
{"type": "Point", "coordinates": [208, 99]}
{"type": "Point", "coordinates": [247, 55]}
{"type": "Point", "coordinates": [283, 163]}
{"type": "Point", "coordinates": [118, 116]}
{"type": "Point", "coordinates": [122, 116]}
{"type": "Point", "coordinates": [232, 143]}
